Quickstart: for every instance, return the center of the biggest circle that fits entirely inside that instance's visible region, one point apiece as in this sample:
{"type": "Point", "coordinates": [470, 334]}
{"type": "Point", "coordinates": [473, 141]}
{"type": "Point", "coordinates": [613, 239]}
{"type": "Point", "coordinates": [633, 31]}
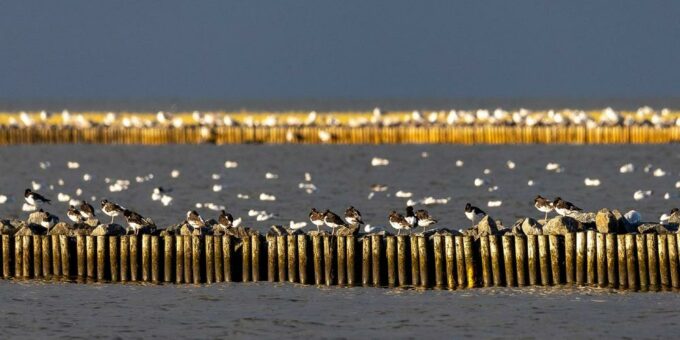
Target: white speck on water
{"type": "Point", "coordinates": [230, 164]}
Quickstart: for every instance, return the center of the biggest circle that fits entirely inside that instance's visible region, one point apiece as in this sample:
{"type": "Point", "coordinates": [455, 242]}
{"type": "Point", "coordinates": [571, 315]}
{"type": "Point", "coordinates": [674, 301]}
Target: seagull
{"type": "Point", "coordinates": [316, 217]}
{"type": "Point", "coordinates": [398, 221]}
{"type": "Point", "coordinates": [112, 209]}
{"type": "Point", "coordinates": [34, 198]}
{"type": "Point", "coordinates": [563, 207]}
{"type": "Point", "coordinates": [411, 217]}
{"type": "Point", "coordinates": [86, 210]}
{"type": "Point", "coordinates": [353, 216]}
{"type": "Point", "coordinates": [134, 220]}
{"type": "Point", "coordinates": [194, 219]}
{"type": "Point", "coordinates": [473, 213]}
{"type": "Point", "coordinates": [424, 219]}
{"type": "Point", "coordinates": [543, 205]}
{"type": "Point", "coordinates": [225, 219]}
{"type": "Point", "coordinates": [332, 220]}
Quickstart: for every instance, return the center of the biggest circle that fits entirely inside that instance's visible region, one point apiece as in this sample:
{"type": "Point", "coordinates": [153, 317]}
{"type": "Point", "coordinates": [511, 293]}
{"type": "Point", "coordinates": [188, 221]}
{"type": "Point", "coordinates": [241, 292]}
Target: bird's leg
{"type": "Point", "coordinates": [112, 217]}
{"type": "Point", "coordinates": [317, 229]}
{"type": "Point", "coordinates": [545, 220]}
{"type": "Point", "coordinates": [398, 232]}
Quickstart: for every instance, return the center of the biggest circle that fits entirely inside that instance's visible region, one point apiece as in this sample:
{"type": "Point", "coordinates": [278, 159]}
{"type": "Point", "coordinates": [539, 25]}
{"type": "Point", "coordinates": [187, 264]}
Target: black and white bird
{"type": "Point", "coordinates": [473, 213]}
{"type": "Point", "coordinates": [135, 221]}
{"type": "Point", "coordinates": [332, 220]}
{"type": "Point", "coordinates": [225, 219]}
{"type": "Point", "coordinates": [86, 210]}
{"type": "Point", "coordinates": [543, 205]}
{"type": "Point", "coordinates": [411, 217]}
{"type": "Point", "coordinates": [398, 222]}
{"type": "Point", "coordinates": [424, 219]}
{"type": "Point", "coordinates": [112, 209]}
{"type": "Point", "coordinates": [353, 216]}
{"type": "Point", "coordinates": [564, 208]}
{"type": "Point", "coordinates": [316, 217]}
{"type": "Point", "coordinates": [74, 215]}
{"type": "Point", "coordinates": [48, 220]}
{"type": "Point", "coordinates": [34, 198]}
{"type": "Point", "coordinates": [194, 219]}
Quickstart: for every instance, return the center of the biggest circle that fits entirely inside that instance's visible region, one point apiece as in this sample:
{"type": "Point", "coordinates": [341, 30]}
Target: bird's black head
{"type": "Point", "coordinates": [409, 209]}
{"type": "Point", "coordinates": [223, 212]}
{"type": "Point", "coordinates": [315, 211]}
{"type": "Point", "coordinates": [27, 191]}
{"type": "Point", "coordinates": [538, 197]}
{"type": "Point", "coordinates": [127, 213]}
{"type": "Point", "coordinates": [468, 206]}
{"type": "Point", "coordinates": [104, 201]}
{"type": "Point", "coordinates": [674, 210]}
{"type": "Point", "coordinates": [557, 200]}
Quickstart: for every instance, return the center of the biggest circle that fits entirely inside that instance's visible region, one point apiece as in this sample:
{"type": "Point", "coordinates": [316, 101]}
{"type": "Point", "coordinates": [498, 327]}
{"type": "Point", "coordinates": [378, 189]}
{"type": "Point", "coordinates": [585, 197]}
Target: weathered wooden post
{"type": "Point", "coordinates": [46, 253]}
{"type": "Point", "coordinates": [486, 261]}
{"type": "Point", "coordinates": [621, 265]}
{"type": "Point", "coordinates": [450, 254]}
{"type": "Point", "coordinates": [226, 257]}
{"type": "Point", "coordinates": [168, 248]}
{"type": "Point", "coordinates": [91, 249]}
{"type": "Point", "coordinates": [101, 258]}
{"type": "Point", "coordinates": [188, 263]}
{"type": "Point", "coordinates": [611, 260]}
{"type": "Point", "coordinates": [18, 258]}
{"type": "Point", "coordinates": [376, 249]}
{"type": "Point", "coordinates": [460, 262]}
{"type": "Point", "coordinates": [544, 261]}
{"type": "Point", "coordinates": [641, 245]}
{"type": "Point", "coordinates": [532, 253]}
{"type": "Point", "coordinates": [509, 259]}
{"type": "Point", "coordinates": [37, 256]}
{"type": "Point", "coordinates": [555, 260]}
{"type": "Point", "coordinates": [302, 258]}
{"type": "Point", "coordinates": [328, 252]}
{"type": "Point", "coordinates": [26, 254]}
{"type": "Point", "coordinates": [438, 251]}
{"type": "Point", "coordinates": [631, 260]}
{"type": "Point", "coordinates": [65, 256]}
{"type": "Point", "coordinates": [423, 259]}
{"type": "Point", "coordinates": [209, 259]}
{"type": "Point", "coordinates": [245, 259]}
{"type": "Point", "coordinates": [664, 274]}
{"type": "Point", "coordinates": [134, 257]}
{"type": "Point", "coordinates": [146, 257]}
{"type": "Point", "coordinates": [673, 260]}
{"type": "Point", "coordinates": [81, 257]}
{"type": "Point", "coordinates": [197, 255]}
{"type": "Point", "coordinates": [124, 258]}
{"type": "Point", "coordinates": [113, 258]}
{"type": "Point", "coordinates": [652, 261]}
{"type": "Point", "coordinates": [415, 261]}
{"type": "Point", "coordinates": [292, 258]}
{"type": "Point", "coordinates": [469, 262]}
{"type": "Point", "coordinates": [56, 256]}
{"type": "Point", "coordinates": [179, 258]}
{"type": "Point", "coordinates": [255, 262]}
{"type": "Point", "coordinates": [601, 260]}
{"type": "Point", "coordinates": [155, 259]}
{"type": "Point", "coordinates": [317, 249]}
{"type": "Point", "coordinates": [520, 256]}
{"type": "Point", "coordinates": [580, 258]}
{"type": "Point", "coordinates": [219, 259]}
{"type": "Point", "coordinates": [496, 260]}
{"type": "Point", "coordinates": [7, 256]}
{"type": "Point", "coordinates": [391, 254]}
{"type": "Point", "coordinates": [272, 258]}
{"type": "Point", "coordinates": [591, 257]}
{"type": "Point", "coordinates": [570, 257]}
{"type": "Point", "coordinates": [282, 249]}
{"type": "Point", "coordinates": [351, 260]}
{"type": "Point", "coordinates": [342, 260]}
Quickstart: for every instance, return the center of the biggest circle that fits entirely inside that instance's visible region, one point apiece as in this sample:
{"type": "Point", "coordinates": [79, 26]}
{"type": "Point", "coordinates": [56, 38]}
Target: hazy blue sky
{"type": "Point", "coordinates": [192, 50]}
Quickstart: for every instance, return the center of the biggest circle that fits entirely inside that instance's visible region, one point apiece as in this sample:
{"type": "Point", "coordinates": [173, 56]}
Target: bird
{"type": "Point", "coordinates": [225, 219]}
{"type": "Point", "coordinates": [74, 215]}
{"type": "Point", "coordinates": [332, 220]}
{"type": "Point", "coordinates": [353, 216]}
{"type": "Point", "coordinates": [111, 209]}
{"type": "Point", "coordinates": [411, 217]}
{"type": "Point", "coordinates": [194, 219]}
{"type": "Point", "coordinates": [543, 205]}
{"type": "Point", "coordinates": [47, 220]}
{"type": "Point", "coordinates": [473, 213]}
{"type": "Point", "coordinates": [424, 219]}
{"type": "Point", "coordinates": [398, 221]}
{"type": "Point", "coordinates": [86, 210]}
{"type": "Point", "coordinates": [563, 207]}
{"type": "Point", "coordinates": [316, 217]}
{"type": "Point", "coordinates": [34, 198]}
{"type": "Point", "coordinates": [135, 221]}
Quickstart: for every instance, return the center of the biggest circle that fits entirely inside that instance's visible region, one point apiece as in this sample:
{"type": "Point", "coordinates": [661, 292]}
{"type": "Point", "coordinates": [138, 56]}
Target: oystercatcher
{"type": "Point", "coordinates": [411, 217]}
{"type": "Point", "coordinates": [543, 205]}
{"type": "Point", "coordinates": [194, 219]}
{"type": "Point", "coordinates": [332, 220]}
{"type": "Point", "coordinates": [316, 217]}
{"type": "Point", "coordinates": [225, 219]}
{"type": "Point", "coordinates": [564, 208]}
{"type": "Point", "coordinates": [112, 209]}
{"type": "Point", "coordinates": [398, 221]}
{"type": "Point", "coordinates": [353, 216]}
{"type": "Point", "coordinates": [473, 213]}
{"type": "Point", "coordinates": [34, 198]}
{"type": "Point", "coordinates": [424, 219]}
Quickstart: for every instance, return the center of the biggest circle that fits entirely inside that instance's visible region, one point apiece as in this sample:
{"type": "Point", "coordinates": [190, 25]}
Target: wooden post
{"type": "Point", "coordinates": [91, 250]}
{"type": "Point", "coordinates": [342, 260]}
{"type": "Point", "coordinates": [415, 261]}
{"type": "Point", "coordinates": [113, 258]}
{"type": "Point", "coordinates": [652, 261]}
{"type": "Point", "coordinates": [544, 259]}
{"type": "Point", "coordinates": [302, 258]}
{"type": "Point", "coordinates": [197, 256]}
{"type": "Point", "coordinates": [179, 259]}
{"type": "Point", "coordinates": [611, 260]}
{"type": "Point", "coordinates": [532, 253]}
{"type": "Point", "coordinates": [402, 251]}
{"type": "Point", "coordinates": [282, 256]}
{"type": "Point", "coordinates": [641, 245]}
{"type": "Point", "coordinates": [509, 259]}
{"type": "Point", "coordinates": [124, 258]}
{"type": "Point", "coordinates": [631, 261]}
{"type": "Point", "coordinates": [245, 259]}
{"type": "Point", "coordinates": [555, 260]}
{"type": "Point", "coordinates": [422, 257]}
{"type": "Point", "coordinates": [601, 260]}
{"type": "Point", "coordinates": [81, 257]}
{"type": "Point", "coordinates": [376, 248]}
{"type": "Point", "coordinates": [7, 257]}
{"type": "Point", "coordinates": [438, 251]}
{"type": "Point", "coordinates": [391, 254]}
{"type": "Point", "coordinates": [56, 256]}
{"type": "Point", "coordinates": [226, 256]}
{"type": "Point", "coordinates": [65, 256]}
{"type": "Point", "coordinates": [580, 258]}
{"type": "Point", "coordinates": [134, 257]}
{"type": "Point", "coordinates": [622, 266]}
{"type": "Point", "coordinates": [591, 257]}
{"type": "Point", "coordinates": [520, 256]}
{"type": "Point", "coordinates": [188, 263]}
{"type": "Point", "coordinates": [155, 259]}
{"type": "Point", "coordinates": [18, 258]}
{"type": "Point", "coordinates": [146, 257]}
{"type": "Point", "coordinates": [328, 258]}
{"type": "Point", "coordinates": [673, 260]}
{"type": "Point", "coordinates": [496, 260]}
{"type": "Point", "coordinates": [46, 253]}
{"type": "Point", "coordinates": [664, 273]}
{"type": "Point", "coordinates": [272, 258]}
{"type": "Point", "coordinates": [26, 254]}
{"type": "Point", "coordinates": [351, 260]}
{"type": "Point", "coordinates": [37, 256]}
{"type": "Point", "coordinates": [255, 261]}
{"type": "Point", "coordinates": [219, 259]}
{"type": "Point", "coordinates": [486, 261]}
{"type": "Point", "coordinates": [209, 259]}
{"type": "Point", "coordinates": [101, 258]}
{"type": "Point", "coordinates": [570, 257]}
{"type": "Point", "coordinates": [450, 252]}
{"type": "Point", "coordinates": [469, 262]}
{"type": "Point", "coordinates": [317, 249]}
{"type": "Point", "coordinates": [168, 247]}
{"type": "Point", "coordinates": [292, 258]}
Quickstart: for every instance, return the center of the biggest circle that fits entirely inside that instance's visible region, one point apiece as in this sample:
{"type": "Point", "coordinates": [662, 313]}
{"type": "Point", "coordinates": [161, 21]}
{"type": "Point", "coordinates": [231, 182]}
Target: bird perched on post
{"type": "Point", "coordinates": [135, 221]}
{"type": "Point", "coordinates": [316, 217]}
{"type": "Point", "coordinates": [353, 216]}
{"type": "Point", "coordinates": [543, 205]}
{"type": "Point", "coordinates": [112, 209]}
{"type": "Point", "coordinates": [225, 220]}
{"type": "Point", "coordinates": [47, 220]}
{"type": "Point", "coordinates": [332, 220]}
{"type": "Point", "coordinates": [398, 222]}
{"type": "Point", "coordinates": [564, 208]}
{"type": "Point", "coordinates": [411, 217]}
{"type": "Point", "coordinates": [473, 213]}
{"type": "Point", "coordinates": [424, 219]}
{"type": "Point", "coordinates": [194, 219]}
{"type": "Point", "coordinates": [74, 215]}
{"type": "Point", "coordinates": [34, 198]}
{"type": "Point", "coordinates": [86, 210]}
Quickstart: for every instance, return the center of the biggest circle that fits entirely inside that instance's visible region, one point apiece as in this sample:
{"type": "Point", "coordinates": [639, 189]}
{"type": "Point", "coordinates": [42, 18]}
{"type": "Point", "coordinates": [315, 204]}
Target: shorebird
{"type": "Point", "coordinates": [316, 217]}
{"type": "Point", "coordinates": [112, 209]}
{"type": "Point", "coordinates": [398, 221]}
{"type": "Point", "coordinates": [48, 220]}
{"type": "Point", "coordinates": [473, 213]}
{"type": "Point", "coordinates": [225, 219]}
{"type": "Point", "coordinates": [424, 219]}
{"type": "Point", "coordinates": [135, 221]}
{"type": "Point", "coordinates": [34, 198]}
{"type": "Point", "coordinates": [194, 219]}
{"type": "Point", "coordinates": [332, 220]}
{"type": "Point", "coordinates": [74, 215]}
{"type": "Point", "coordinates": [86, 210]}
{"type": "Point", "coordinates": [543, 205]}
{"type": "Point", "coordinates": [353, 216]}
{"type": "Point", "coordinates": [411, 217]}
{"type": "Point", "coordinates": [563, 207]}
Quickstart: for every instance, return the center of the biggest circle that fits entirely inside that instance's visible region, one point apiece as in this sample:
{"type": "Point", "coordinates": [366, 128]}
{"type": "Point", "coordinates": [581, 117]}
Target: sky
{"type": "Point", "coordinates": [252, 51]}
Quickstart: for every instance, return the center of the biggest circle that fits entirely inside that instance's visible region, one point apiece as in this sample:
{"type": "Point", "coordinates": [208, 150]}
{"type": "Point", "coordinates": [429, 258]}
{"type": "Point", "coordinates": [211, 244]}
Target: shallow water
{"type": "Point", "coordinates": [344, 175]}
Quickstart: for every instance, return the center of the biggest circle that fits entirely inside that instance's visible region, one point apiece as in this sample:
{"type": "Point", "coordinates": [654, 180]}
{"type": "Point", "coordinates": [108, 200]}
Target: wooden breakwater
{"type": "Point", "coordinates": [405, 134]}
{"type": "Point", "coordinates": [630, 261]}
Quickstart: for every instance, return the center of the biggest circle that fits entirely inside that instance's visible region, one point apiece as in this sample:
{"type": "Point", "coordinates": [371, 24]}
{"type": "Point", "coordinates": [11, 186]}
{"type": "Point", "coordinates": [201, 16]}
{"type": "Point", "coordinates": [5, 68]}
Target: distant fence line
{"type": "Point", "coordinates": [343, 135]}
{"type": "Point", "coordinates": [630, 261]}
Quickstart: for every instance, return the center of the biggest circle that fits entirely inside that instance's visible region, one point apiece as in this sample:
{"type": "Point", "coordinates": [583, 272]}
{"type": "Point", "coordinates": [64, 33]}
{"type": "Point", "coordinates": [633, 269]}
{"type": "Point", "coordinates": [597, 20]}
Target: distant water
{"type": "Point", "coordinates": [344, 175]}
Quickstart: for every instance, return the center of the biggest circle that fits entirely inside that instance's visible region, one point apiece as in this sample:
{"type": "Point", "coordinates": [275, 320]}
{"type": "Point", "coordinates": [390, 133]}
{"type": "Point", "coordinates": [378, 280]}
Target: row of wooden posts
{"type": "Point", "coordinates": [343, 135]}
{"type": "Point", "coordinates": [630, 261]}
